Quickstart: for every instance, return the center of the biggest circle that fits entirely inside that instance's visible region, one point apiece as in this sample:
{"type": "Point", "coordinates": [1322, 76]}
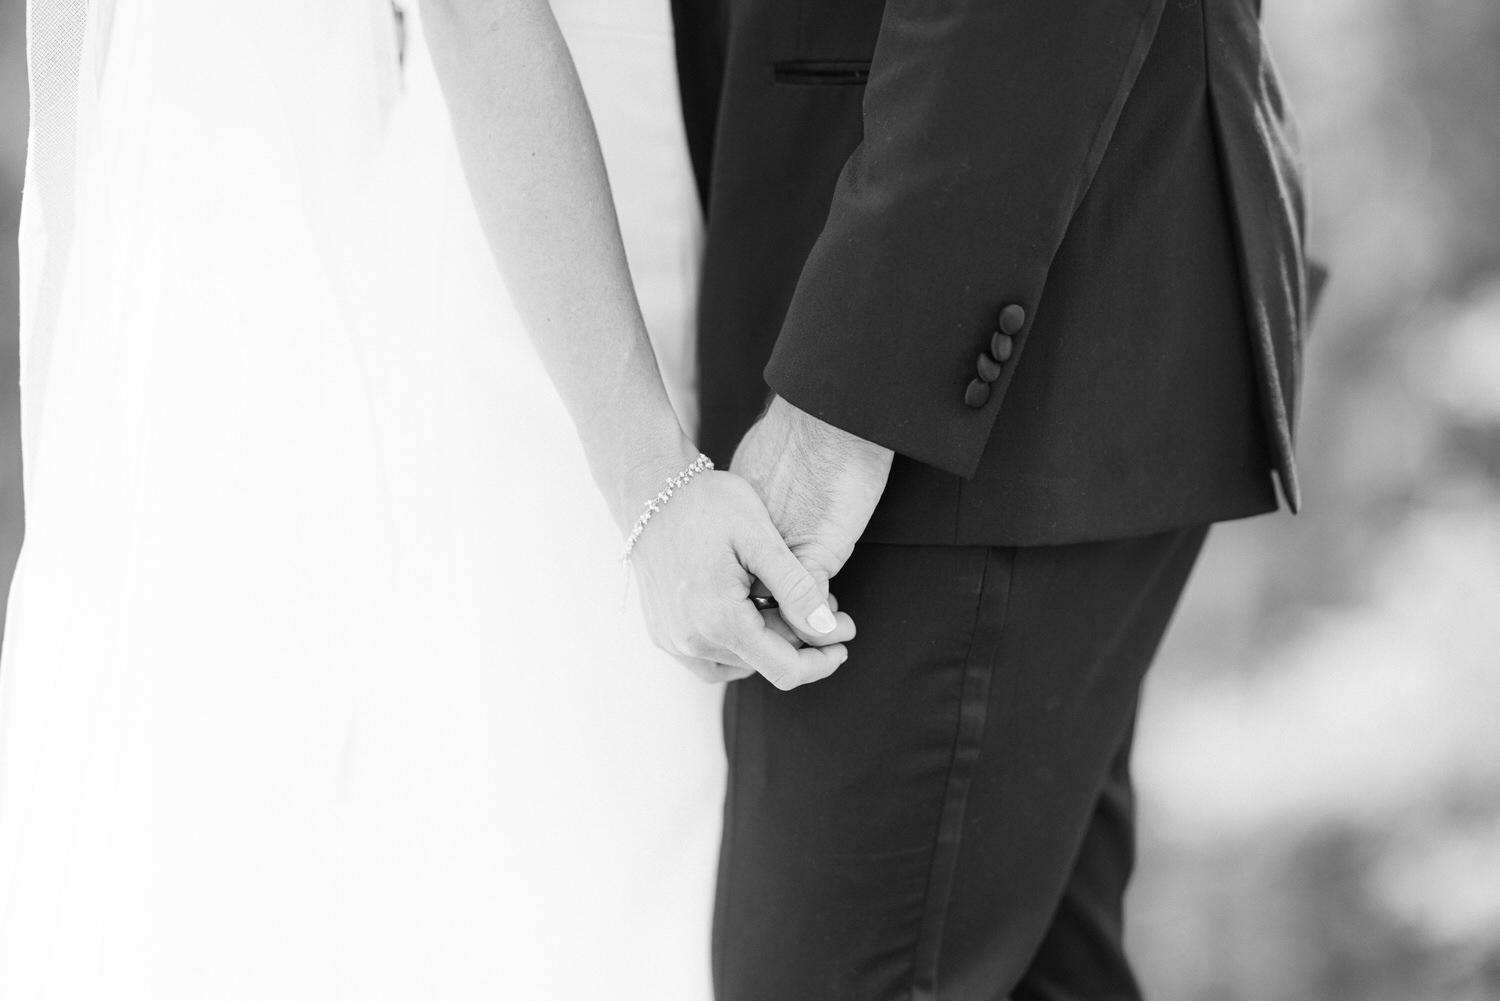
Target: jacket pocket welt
{"type": "Point", "coordinates": [823, 73]}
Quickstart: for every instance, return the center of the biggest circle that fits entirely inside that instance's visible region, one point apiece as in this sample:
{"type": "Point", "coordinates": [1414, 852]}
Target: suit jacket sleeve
{"type": "Point", "coordinates": [984, 121]}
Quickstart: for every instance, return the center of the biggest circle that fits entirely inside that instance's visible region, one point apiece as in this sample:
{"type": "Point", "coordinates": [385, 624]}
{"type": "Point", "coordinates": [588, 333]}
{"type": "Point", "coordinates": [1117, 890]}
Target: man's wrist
{"type": "Point", "coordinates": [815, 436]}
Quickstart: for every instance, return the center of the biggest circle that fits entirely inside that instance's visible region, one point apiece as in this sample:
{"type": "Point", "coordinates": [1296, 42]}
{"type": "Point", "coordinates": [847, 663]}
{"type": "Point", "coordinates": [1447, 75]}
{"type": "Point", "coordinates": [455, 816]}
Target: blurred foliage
{"type": "Point", "coordinates": [1319, 760]}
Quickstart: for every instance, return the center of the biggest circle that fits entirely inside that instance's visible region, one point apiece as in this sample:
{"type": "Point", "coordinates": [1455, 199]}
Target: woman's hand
{"type": "Point", "coordinates": [695, 562]}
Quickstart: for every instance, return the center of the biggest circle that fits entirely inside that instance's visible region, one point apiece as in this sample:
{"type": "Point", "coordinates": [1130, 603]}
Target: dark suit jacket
{"type": "Point", "coordinates": [883, 178]}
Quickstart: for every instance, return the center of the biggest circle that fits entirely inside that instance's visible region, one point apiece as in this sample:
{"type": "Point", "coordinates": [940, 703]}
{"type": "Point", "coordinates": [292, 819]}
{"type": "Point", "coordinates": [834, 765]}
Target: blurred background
{"type": "Point", "coordinates": [1319, 758]}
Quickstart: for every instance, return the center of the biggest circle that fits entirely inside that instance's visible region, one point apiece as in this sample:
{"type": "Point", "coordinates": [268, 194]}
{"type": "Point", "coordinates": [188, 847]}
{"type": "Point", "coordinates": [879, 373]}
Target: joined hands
{"type": "Point", "coordinates": [789, 512]}
{"type": "Point", "coordinates": [696, 563]}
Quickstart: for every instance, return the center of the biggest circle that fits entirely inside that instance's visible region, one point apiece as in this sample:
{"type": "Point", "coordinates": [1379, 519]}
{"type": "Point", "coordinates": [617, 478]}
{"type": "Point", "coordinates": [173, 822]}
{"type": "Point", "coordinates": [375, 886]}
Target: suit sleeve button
{"type": "Point", "coordinates": [1001, 346]}
{"type": "Point", "coordinates": [989, 368]}
{"type": "Point", "coordinates": [1012, 319]}
{"type": "Point", "coordinates": [977, 394]}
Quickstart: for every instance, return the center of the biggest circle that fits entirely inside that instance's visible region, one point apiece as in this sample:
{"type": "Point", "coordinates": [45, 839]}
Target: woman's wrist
{"type": "Point", "coordinates": [655, 505]}
{"type": "Point", "coordinates": [643, 468]}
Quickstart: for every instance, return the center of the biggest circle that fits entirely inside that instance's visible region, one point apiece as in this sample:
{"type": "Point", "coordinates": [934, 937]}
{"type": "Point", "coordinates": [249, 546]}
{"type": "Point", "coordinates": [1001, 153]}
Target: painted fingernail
{"type": "Point", "coordinates": [822, 620]}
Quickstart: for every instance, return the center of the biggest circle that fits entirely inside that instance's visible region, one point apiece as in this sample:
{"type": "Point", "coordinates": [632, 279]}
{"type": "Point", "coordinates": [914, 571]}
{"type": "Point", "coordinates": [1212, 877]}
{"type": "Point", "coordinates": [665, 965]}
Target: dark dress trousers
{"type": "Point", "coordinates": [1051, 253]}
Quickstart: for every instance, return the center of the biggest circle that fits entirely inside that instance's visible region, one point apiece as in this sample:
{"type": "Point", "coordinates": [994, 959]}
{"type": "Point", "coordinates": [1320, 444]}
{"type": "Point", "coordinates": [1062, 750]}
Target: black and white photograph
{"type": "Point", "coordinates": [750, 500]}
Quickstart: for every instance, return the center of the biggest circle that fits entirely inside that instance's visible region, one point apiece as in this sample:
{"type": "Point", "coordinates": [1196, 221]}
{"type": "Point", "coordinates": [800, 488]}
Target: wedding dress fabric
{"type": "Point", "coordinates": [319, 681]}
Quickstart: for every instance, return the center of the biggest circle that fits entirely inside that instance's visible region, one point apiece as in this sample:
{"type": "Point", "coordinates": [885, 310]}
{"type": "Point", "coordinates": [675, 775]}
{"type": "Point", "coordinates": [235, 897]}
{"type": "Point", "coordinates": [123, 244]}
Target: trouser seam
{"type": "Point", "coordinates": [719, 935]}
{"type": "Point", "coordinates": [974, 701]}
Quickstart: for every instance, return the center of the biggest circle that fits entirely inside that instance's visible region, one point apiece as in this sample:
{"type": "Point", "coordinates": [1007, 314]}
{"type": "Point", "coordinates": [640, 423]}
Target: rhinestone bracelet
{"type": "Point", "coordinates": [655, 504]}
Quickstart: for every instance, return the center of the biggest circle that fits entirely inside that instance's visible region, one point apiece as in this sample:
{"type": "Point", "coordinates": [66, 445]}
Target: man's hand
{"type": "Point", "coordinates": [819, 483]}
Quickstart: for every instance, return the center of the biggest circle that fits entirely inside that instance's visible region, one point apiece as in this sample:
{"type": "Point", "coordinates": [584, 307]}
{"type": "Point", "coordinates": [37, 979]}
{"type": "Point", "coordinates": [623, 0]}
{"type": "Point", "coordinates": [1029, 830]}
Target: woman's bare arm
{"type": "Point", "coordinates": [537, 177]}
{"type": "Point", "coordinates": [538, 181]}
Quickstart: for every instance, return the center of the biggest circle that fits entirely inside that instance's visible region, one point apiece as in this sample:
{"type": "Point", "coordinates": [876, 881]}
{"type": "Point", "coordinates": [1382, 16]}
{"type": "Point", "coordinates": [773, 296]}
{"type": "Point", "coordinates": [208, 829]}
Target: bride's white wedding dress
{"type": "Point", "coordinates": [318, 681]}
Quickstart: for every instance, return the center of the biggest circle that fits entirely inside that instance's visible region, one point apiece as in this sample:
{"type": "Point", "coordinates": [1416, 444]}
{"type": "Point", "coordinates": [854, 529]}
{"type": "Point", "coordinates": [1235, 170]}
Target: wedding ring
{"type": "Point", "coordinates": [763, 601]}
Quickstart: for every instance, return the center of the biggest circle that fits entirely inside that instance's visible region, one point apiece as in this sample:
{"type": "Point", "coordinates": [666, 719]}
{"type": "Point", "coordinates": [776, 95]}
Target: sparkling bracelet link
{"type": "Point", "coordinates": [702, 464]}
